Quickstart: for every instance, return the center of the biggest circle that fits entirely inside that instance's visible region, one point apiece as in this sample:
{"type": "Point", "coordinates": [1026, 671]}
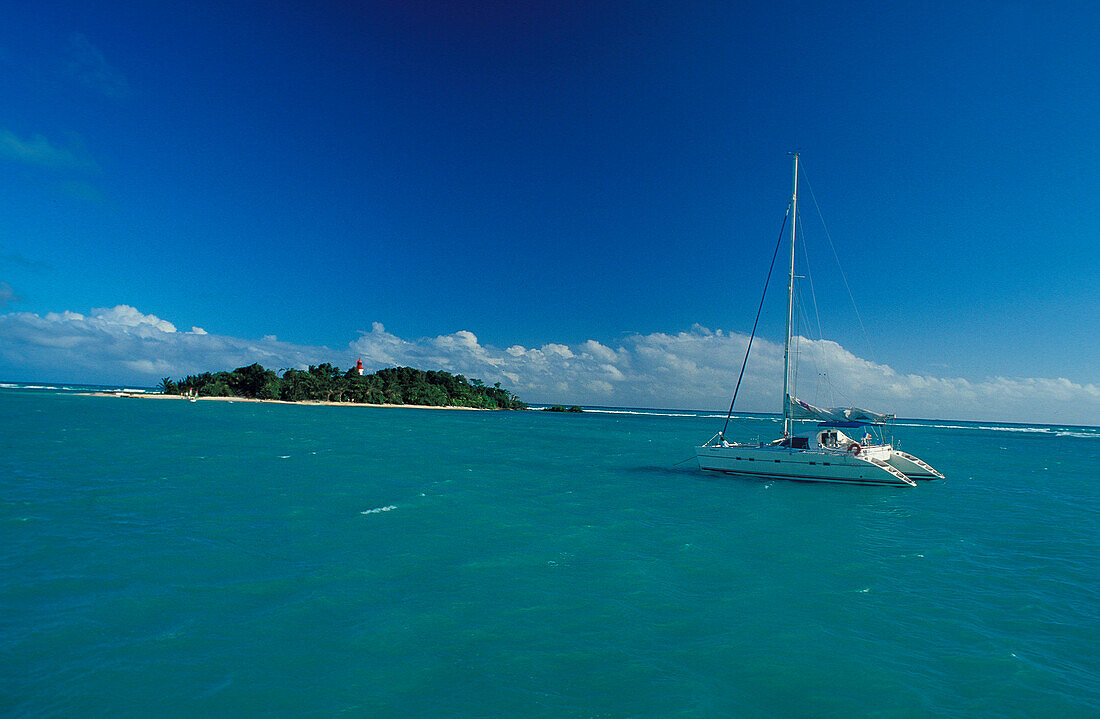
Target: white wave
{"type": "Point", "coordinates": [377, 510]}
{"type": "Point", "coordinates": [9, 386]}
{"type": "Point", "coordinates": [769, 418]}
{"type": "Point", "coordinates": [940, 426]}
{"type": "Point", "coordinates": [643, 414]}
{"type": "Point", "coordinates": [985, 427]}
{"type": "Point", "coordinates": [1086, 435]}
{"type": "Point", "coordinates": [662, 413]}
{"type": "Point", "coordinates": [936, 426]}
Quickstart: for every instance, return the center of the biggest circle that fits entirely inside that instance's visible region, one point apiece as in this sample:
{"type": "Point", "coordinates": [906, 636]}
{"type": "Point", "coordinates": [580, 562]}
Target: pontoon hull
{"type": "Point", "coordinates": [912, 467]}
{"type": "Point", "coordinates": [798, 464]}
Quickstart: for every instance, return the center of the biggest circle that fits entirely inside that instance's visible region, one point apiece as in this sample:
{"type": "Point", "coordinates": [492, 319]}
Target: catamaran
{"type": "Point", "coordinates": [830, 451]}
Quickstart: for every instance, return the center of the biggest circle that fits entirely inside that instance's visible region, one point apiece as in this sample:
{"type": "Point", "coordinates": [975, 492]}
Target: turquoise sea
{"type": "Point", "coordinates": [166, 558]}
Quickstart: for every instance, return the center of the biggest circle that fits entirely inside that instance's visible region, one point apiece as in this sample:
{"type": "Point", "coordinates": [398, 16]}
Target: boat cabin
{"type": "Point", "coordinates": [825, 437]}
{"type": "Point", "coordinates": [831, 437]}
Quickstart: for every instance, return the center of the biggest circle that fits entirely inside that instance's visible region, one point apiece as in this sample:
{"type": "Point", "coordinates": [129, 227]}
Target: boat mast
{"type": "Point", "coordinates": [790, 306]}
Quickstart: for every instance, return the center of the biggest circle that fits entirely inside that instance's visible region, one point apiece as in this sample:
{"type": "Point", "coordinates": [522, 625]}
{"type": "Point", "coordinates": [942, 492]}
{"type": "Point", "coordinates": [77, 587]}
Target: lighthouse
{"type": "Point", "coordinates": [359, 366]}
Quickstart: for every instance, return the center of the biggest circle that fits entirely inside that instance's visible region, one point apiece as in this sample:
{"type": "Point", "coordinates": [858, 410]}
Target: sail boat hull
{"type": "Point", "coordinates": [772, 462]}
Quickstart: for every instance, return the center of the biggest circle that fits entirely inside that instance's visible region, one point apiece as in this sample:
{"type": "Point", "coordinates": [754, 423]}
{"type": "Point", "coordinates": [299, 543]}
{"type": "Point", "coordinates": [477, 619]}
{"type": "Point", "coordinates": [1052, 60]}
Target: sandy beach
{"type": "Point", "coordinates": [178, 397]}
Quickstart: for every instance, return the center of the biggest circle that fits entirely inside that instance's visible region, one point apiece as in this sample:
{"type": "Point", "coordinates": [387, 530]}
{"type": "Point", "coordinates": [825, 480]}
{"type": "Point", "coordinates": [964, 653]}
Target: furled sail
{"type": "Point", "coordinates": [798, 409]}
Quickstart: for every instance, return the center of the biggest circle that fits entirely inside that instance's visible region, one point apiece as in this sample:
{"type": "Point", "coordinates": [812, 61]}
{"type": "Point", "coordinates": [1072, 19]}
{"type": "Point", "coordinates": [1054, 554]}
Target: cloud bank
{"type": "Point", "coordinates": [694, 369]}
{"type": "Point", "coordinates": [122, 345]}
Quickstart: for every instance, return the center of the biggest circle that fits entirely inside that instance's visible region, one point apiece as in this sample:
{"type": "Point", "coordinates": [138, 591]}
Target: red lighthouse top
{"type": "Point", "coordinates": [359, 365]}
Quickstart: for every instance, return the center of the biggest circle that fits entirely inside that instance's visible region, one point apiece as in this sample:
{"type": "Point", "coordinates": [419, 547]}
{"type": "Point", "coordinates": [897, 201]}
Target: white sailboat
{"type": "Point", "coordinates": [826, 452]}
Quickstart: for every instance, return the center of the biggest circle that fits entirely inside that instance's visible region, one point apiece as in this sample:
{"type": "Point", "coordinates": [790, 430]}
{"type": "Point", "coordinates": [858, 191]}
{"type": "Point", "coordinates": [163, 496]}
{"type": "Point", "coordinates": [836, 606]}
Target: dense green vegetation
{"type": "Point", "coordinates": [563, 408]}
{"type": "Point", "coordinates": [397, 385]}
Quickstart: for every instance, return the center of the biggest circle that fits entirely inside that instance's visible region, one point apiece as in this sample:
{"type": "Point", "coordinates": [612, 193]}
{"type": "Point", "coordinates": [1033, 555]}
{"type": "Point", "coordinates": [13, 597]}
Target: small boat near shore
{"type": "Point", "coordinates": [846, 444]}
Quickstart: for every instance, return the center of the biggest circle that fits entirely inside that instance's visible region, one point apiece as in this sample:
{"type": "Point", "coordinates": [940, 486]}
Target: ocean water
{"type": "Point", "coordinates": [167, 558]}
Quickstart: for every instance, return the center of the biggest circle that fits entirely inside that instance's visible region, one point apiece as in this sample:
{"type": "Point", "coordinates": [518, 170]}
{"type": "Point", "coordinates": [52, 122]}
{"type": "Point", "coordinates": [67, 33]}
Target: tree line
{"type": "Point", "coordinates": [324, 382]}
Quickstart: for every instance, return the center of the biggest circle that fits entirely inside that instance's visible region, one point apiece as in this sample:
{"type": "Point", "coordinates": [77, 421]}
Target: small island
{"type": "Point", "coordinates": [563, 408]}
{"type": "Point", "coordinates": [326, 383]}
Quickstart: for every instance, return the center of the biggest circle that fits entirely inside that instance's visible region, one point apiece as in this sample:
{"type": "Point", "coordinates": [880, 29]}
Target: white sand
{"type": "Point", "coordinates": [178, 397]}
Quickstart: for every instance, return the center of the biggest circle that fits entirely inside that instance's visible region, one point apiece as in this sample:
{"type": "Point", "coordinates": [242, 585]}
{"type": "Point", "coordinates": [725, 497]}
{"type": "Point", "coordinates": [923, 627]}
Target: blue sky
{"type": "Point", "coordinates": [548, 174]}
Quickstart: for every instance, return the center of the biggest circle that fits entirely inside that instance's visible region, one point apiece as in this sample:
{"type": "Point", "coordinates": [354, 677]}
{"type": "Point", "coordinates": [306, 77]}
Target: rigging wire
{"type": "Point", "coordinates": [823, 369]}
{"type": "Point", "coordinates": [866, 337]}
{"type": "Point", "coordinates": [824, 390]}
{"type": "Point", "coordinates": [796, 350]}
{"type": "Point", "coordinates": [778, 242]}
{"type": "Point", "coordinates": [810, 277]}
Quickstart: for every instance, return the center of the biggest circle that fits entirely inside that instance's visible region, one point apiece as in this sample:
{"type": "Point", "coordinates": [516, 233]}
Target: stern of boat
{"type": "Point", "coordinates": [912, 467]}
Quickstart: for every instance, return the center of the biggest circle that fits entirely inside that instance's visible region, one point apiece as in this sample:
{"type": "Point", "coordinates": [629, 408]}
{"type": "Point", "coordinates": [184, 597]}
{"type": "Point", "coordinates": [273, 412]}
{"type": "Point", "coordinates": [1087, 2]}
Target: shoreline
{"type": "Point", "coordinates": [315, 403]}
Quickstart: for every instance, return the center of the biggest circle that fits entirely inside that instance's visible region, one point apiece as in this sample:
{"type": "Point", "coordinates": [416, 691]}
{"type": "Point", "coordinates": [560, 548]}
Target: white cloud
{"type": "Point", "coordinates": [128, 316]}
{"type": "Point", "coordinates": [37, 150]}
{"type": "Point", "coordinates": [87, 65]}
{"type": "Point", "coordinates": [122, 344]}
{"type": "Point", "coordinates": [597, 350]}
{"type": "Point", "coordinates": [7, 295]}
{"type": "Point", "coordinates": [558, 350]}
{"type": "Point", "coordinates": [695, 369]}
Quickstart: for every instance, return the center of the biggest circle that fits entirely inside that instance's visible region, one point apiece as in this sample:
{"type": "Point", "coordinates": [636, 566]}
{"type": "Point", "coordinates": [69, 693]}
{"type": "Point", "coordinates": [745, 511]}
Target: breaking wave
{"type": "Point", "coordinates": [378, 510]}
